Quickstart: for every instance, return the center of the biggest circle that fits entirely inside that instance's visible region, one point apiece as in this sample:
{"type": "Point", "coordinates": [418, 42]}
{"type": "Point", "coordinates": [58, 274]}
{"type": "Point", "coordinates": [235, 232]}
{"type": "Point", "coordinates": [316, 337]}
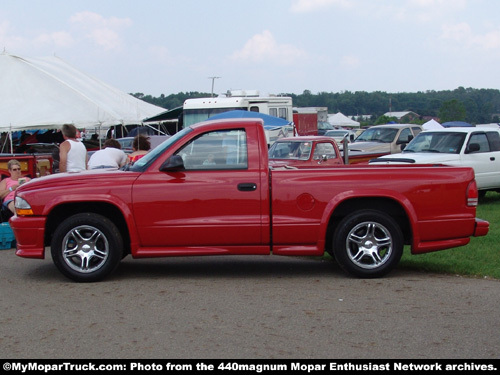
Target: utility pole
{"type": "Point", "coordinates": [213, 79]}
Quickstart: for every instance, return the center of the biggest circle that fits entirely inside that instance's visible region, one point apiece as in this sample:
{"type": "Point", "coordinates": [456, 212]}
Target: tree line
{"type": "Point", "coordinates": [476, 106]}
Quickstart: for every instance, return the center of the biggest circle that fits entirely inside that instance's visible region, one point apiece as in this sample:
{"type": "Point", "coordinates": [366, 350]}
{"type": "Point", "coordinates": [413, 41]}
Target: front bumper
{"type": "Point", "coordinates": [29, 233]}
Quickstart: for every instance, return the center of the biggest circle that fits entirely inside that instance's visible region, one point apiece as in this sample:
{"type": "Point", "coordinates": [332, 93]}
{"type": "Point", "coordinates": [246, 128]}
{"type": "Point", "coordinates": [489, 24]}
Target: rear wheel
{"type": "Point", "coordinates": [87, 247]}
{"type": "Point", "coordinates": [368, 243]}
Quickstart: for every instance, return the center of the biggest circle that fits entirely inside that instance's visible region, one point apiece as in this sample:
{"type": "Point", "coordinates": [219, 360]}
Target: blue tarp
{"type": "Point", "coordinates": [454, 124]}
{"type": "Point", "coordinates": [269, 121]}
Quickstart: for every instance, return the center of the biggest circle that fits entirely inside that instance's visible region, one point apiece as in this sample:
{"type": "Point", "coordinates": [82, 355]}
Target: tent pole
{"type": "Point", "coordinates": [100, 140]}
{"type": "Point", "coordinates": [10, 139]}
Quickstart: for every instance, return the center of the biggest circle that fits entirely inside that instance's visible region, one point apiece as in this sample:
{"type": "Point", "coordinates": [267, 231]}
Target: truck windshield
{"type": "Point", "coordinates": [438, 142]}
{"type": "Point", "coordinates": [384, 135]}
{"type": "Point", "coordinates": [143, 162]}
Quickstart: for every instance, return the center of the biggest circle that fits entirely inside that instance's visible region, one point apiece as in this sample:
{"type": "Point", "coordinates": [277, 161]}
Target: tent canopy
{"type": "Point", "coordinates": [269, 121]}
{"type": "Point", "coordinates": [432, 124]}
{"type": "Point", "coordinates": [47, 93]}
{"type": "Point", "coordinates": [172, 114]}
{"type": "Point", "coordinates": [341, 120]}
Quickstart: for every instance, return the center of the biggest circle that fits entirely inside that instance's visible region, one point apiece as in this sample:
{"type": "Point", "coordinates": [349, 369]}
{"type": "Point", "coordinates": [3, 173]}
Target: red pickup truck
{"type": "Point", "coordinates": [209, 190]}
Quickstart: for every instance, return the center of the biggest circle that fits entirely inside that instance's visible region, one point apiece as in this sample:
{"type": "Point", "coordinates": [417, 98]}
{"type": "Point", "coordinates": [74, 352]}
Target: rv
{"type": "Point", "coordinates": [200, 109]}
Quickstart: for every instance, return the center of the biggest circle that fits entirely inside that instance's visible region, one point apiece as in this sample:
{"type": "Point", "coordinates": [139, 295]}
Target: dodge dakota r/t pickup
{"type": "Point", "coordinates": [209, 190]}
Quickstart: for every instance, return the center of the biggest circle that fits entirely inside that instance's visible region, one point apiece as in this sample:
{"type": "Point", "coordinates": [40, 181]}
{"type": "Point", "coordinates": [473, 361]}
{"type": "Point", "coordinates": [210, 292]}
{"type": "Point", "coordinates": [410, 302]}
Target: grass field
{"type": "Point", "coordinates": [481, 257]}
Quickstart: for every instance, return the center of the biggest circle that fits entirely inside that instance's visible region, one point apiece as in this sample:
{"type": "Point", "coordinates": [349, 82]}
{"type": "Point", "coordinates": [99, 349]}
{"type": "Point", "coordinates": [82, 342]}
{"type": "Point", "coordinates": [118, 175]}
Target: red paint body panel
{"type": "Point", "coordinates": [306, 123]}
{"type": "Point", "coordinates": [29, 236]}
{"type": "Point", "coordinates": [433, 199]}
{"type": "Point", "coordinates": [249, 209]}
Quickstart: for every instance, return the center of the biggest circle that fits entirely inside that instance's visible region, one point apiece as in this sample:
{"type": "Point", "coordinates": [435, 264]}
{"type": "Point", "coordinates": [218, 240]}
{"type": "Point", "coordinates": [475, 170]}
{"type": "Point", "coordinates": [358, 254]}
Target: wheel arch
{"type": "Point", "coordinates": [61, 212]}
{"type": "Point", "coordinates": [386, 205]}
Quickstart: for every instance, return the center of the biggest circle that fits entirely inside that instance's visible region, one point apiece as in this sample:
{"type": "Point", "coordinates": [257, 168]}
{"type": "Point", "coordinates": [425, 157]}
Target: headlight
{"type": "Point", "coordinates": [22, 207]}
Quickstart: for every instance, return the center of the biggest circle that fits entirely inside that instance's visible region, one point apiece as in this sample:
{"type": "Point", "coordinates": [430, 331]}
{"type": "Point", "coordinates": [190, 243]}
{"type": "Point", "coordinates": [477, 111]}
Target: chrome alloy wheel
{"type": "Point", "coordinates": [85, 249]}
{"type": "Point", "coordinates": [369, 245]}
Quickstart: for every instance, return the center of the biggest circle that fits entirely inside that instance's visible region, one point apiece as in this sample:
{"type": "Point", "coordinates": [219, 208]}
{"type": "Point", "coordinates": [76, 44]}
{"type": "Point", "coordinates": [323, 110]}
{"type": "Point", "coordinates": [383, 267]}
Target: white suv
{"type": "Point", "coordinates": [476, 147]}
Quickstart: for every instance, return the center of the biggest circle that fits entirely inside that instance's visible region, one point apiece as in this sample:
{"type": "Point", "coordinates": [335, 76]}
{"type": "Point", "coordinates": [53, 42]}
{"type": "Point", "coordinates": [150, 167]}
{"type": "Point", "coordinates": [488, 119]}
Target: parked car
{"type": "Point", "coordinates": [126, 144]}
{"type": "Point", "coordinates": [304, 151]}
{"type": "Point", "coordinates": [323, 127]}
{"type": "Point", "coordinates": [388, 139]}
{"type": "Point", "coordinates": [478, 148]}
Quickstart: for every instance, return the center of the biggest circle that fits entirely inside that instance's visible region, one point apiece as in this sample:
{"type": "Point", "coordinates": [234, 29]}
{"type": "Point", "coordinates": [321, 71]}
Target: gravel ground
{"type": "Point", "coordinates": [244, 307]}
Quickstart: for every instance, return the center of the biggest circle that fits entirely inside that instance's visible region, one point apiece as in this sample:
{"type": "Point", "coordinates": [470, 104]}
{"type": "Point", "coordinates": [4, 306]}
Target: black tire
{"type": "Point", "coordinates": [368, 243]}
{"type": "Point", "coordinates": [87, 247]}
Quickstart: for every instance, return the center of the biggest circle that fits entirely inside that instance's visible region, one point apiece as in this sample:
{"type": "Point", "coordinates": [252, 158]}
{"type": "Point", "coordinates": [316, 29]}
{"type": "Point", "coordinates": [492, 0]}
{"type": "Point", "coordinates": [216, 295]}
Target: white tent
{"type": "Point", "coordinates": [340, 120]}
{"type": "Point", "coordinates": [432, 124]}
{"type": "Point", "coordinates": [46, 93]}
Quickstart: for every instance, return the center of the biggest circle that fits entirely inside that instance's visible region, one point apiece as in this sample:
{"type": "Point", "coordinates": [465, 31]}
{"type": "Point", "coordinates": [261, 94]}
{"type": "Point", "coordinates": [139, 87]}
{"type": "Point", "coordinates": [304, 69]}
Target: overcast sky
{"type": "Point", "coordinates": [275, 46]}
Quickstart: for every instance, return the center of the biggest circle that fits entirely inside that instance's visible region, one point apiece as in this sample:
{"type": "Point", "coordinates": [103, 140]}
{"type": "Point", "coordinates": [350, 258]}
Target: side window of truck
{"type": "Point", "coordinates": [481, 140]}
{"type": "Point", "coordinates": [416, 130]}
{"type": "Point", "coordinates": [404, 135]}
{"type": "Point", "coordinates": [494, 140]}
{"type": "Point", "coordinates": [216, 150]}
{"type": "Point", "coordinates": [324, 149]}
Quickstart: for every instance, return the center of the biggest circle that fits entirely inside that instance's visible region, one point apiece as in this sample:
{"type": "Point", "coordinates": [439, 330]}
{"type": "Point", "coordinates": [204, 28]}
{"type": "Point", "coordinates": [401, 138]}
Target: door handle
{"type": "Point", "coordinates": [247, 186]}
{"type": "Point", "coordinates": [492, 158]}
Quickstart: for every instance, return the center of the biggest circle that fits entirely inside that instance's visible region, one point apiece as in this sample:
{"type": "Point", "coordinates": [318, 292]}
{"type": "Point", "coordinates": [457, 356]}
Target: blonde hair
{"type": "Point", "coordinates": [13, 162]}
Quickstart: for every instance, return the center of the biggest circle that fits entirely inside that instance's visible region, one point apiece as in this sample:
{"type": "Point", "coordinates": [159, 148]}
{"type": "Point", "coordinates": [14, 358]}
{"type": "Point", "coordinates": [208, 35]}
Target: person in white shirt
{"type": "Point", "coordinates": [111, 156]}
{"type": "Point", "coordinates": [72, 152]}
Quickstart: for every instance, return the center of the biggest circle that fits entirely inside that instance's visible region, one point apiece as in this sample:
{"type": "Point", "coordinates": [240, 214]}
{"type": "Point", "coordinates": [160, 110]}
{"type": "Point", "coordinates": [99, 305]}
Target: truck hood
{"type": "Point", "coordinates": [66, 180]}
{"type": "Point", "coordinates": [369, 147]}
{"type": "Point", "coordinates": [418, 158]}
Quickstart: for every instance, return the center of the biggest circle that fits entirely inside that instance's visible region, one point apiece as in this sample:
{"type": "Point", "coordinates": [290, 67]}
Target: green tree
{"type": "Point", "coordinates": [381, 120]}
{"type": "Point", "coordinates": [465, 104]}
{"type": "Point", "coordinates": [452, 110]}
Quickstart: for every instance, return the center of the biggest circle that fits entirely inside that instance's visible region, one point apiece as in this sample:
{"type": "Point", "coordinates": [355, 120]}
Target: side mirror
{"type": "Point", "coordinates": [473, 147]}
{"type": "Point", "coordinates": [173, 164]}
{"type": "Point", "coordinates": [321, 158]}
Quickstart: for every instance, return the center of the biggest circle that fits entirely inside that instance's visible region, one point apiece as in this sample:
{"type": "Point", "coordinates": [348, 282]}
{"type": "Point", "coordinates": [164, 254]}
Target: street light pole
{"type": "Point", "coordinates": [213, 79]}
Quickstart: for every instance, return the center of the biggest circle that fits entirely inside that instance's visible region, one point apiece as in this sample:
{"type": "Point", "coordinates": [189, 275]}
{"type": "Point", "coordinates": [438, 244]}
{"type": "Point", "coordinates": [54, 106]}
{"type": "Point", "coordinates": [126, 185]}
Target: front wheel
{"type": "Point", "coordinates": [368, 243]}
{"type": "Point", "coordinates": [86, 247]}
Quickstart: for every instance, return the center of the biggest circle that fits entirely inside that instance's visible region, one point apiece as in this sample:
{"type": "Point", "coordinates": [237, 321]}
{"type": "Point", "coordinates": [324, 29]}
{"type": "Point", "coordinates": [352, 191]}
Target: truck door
{"type": "Point", "coordinates": [324, 154]}
{"type": "Point", "coordinates": [483, 154]}
{"type": "Point", "coordinates": [216, 201]}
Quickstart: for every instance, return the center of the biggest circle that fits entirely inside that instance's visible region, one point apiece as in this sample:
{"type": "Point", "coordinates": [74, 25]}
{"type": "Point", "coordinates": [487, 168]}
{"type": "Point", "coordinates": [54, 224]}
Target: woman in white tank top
{"type": "Point", "coordinates": [72, 153]}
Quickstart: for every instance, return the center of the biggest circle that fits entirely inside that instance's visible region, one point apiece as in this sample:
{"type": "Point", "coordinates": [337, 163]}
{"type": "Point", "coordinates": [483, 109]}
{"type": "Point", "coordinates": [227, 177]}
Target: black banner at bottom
{"type": "Point", "coordinates": [210, 366]}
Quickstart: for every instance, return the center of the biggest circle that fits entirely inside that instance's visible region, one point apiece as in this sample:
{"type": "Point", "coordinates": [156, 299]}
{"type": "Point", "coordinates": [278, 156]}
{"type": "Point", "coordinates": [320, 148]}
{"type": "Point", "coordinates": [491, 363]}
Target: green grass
{"type": "Point", "coordinates": [480, 258]}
